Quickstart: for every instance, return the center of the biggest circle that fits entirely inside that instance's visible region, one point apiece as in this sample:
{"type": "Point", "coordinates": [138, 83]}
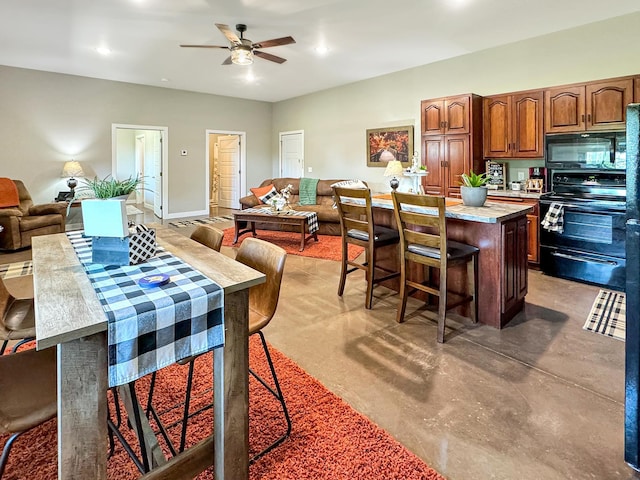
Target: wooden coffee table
{"type": "Point", "coordinates": [291, 217]}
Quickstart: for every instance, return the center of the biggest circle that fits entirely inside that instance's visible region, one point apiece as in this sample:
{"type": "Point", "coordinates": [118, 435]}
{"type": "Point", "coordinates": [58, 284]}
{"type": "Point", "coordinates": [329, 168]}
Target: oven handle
{"type": "Point", "coordinates": [581, 259]}
{"type": "Point", "coordinates": [584, 208]}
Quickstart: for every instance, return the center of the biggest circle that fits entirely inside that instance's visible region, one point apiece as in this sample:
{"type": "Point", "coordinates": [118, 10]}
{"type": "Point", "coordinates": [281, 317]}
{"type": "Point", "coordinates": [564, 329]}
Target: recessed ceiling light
{"type": "Point", "coordinates": [322, 50]}
{"type": "Point", "coordinates": [164, 79]}
{"type": "Point", "coordinates": [103, 50]}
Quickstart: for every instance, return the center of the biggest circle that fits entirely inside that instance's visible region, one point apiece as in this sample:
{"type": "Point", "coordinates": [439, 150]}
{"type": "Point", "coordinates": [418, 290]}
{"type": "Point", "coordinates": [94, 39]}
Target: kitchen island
{"type": "Point", "coordinates": [499, 230]}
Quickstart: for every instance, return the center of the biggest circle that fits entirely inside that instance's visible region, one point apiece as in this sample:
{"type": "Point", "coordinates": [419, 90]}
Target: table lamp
{"type": "Point", "coordinates": [70, 170]}
{"type": "Point", "coordinates": [394, 168]}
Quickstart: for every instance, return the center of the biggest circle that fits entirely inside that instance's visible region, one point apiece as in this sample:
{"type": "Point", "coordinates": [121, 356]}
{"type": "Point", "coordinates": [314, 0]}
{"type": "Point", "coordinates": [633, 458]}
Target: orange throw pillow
{"type": "Point", "coordinates": [264, 193]}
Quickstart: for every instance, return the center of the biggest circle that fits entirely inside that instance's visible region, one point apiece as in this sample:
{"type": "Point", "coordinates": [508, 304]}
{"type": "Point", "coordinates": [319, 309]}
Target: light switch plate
{"type": "Point", "coordinates": [520, 175]}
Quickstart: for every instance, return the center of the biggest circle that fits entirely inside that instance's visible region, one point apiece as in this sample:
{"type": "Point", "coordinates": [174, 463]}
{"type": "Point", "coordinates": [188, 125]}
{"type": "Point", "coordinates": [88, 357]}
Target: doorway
{"type": "Point", "coordinates": [226, 160]}
{"type": "Point", "coordinates": [141, 150]}
{"type": "Point", "coordinates": [292, 154]}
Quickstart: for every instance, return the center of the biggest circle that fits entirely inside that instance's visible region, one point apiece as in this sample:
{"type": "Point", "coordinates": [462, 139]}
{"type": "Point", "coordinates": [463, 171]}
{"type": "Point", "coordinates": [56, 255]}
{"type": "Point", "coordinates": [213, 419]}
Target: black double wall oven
{"type": "Point", "coordinates": [587, 179]}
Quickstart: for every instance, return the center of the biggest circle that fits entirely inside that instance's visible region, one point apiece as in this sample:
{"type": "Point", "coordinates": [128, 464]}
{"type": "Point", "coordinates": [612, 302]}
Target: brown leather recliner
{"type": "Point", "coordinates": [28, 220]}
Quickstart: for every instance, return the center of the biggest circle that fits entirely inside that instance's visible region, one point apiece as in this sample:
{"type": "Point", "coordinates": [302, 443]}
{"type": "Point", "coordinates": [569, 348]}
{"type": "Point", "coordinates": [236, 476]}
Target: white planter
{"type": "Point", "coordinates": [473, 196]}
{"type": "Point", "coordinates": [105, 218]}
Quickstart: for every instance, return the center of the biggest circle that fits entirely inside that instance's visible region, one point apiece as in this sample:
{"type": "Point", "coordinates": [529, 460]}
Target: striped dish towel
{"type": "Point", "coordinates": [553, 221]}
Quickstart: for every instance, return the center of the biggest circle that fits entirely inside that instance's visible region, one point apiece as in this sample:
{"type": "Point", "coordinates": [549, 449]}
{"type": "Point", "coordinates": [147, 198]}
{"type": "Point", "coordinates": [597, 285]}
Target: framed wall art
{"type": "Point", "coordinates": [397, 142]}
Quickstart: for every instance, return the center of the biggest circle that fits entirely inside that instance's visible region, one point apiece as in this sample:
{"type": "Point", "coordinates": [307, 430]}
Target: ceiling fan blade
{"type": "Point", "coordinates": [227, 32]}
{"type": "Point", "coordinates": [204, 46]}
{"type": "Point", "coordinates": [274, 42]}
{"type": "Point", "coordinates": [227, 61]}
{"type": "Point", "coordinates": [268, 56]}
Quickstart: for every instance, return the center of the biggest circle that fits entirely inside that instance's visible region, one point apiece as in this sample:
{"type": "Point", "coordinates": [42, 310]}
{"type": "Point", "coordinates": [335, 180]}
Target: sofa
{"type": "Point", "coordinates": [328, 218]}
{"type": "Point", "coordinates": [25, 220]}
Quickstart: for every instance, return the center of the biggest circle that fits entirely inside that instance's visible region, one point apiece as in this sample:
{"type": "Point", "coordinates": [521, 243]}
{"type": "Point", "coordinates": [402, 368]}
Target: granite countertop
{"type": "Point", "coordinates": [489, 213]}
{"type": "Point", "coordinates": [514, 194]}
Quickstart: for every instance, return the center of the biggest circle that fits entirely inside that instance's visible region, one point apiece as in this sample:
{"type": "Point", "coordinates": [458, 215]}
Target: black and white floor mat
{"type": "Point", "coordinates": [201, 221]}
{"type": "Point", "coordinates": [608, 315]}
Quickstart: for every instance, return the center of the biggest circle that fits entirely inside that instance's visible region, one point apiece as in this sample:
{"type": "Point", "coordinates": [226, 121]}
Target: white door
{"type": "Point", "coordinates": [292, 154]}
{"type": "Point", "coordinates": [157, 175]}
{"type": "Point", "coordinates": [229, 169]}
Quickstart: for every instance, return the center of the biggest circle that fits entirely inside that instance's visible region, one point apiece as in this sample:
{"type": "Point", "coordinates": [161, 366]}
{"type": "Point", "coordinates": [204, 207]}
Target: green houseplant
{"type": "Point", "coordinates": [106, 214]}
{"type": "Point", "coordinates": [473, 188]}
{"type": "Point", "coordinates": [110, 187]}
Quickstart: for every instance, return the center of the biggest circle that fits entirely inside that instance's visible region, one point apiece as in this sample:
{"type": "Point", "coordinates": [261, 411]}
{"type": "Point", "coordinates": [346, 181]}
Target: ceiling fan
{"type": "Point", "coordinates": [242, 49]}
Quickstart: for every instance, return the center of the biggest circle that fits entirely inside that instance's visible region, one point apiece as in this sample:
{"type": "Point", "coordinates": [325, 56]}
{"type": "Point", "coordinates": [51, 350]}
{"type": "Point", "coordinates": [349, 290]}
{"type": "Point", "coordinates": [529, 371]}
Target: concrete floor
{"type": "Point", "coordinates": [539, 399]}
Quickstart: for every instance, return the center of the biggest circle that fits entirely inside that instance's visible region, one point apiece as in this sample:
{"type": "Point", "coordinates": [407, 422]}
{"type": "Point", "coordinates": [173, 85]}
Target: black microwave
{"type": "Point", "coordinates": [596, 151]}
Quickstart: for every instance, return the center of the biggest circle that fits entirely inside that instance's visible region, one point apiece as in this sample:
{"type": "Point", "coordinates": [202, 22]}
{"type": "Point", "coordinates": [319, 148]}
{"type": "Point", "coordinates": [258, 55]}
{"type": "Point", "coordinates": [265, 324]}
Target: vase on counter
{"type": "Point", "coordinates": [473, 196]}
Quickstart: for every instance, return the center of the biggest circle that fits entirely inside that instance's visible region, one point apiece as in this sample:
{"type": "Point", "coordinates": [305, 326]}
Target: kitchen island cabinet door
{"type": "Point", "coordinates": [514, 262]}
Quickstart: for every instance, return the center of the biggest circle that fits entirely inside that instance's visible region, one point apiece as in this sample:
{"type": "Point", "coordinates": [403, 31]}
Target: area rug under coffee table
{"type": "Point", "coordinates": [328, 247]}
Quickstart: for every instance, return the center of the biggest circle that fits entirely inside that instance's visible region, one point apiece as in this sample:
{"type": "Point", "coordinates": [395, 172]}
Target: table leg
{"type": "Point", "coordinates": [303, 234]}
{"type": "Point", "coordinates": [237, 225]}
{"type": "Point", "coordinates": [231, 392]}
{"type": "Point", "coordinates": [82, 408]}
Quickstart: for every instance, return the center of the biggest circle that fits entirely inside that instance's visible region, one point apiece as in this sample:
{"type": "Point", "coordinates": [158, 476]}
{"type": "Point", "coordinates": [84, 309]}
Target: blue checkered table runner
{"type": "Point", "coordinates": [312, 217]}
{"type": "Point", "coordinates": [151, 328]}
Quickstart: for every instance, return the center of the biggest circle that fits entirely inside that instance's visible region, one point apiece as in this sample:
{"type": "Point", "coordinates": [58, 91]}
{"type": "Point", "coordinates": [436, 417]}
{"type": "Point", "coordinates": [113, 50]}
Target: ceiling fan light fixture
{"type": "Point", "coordinates": [242, 55]}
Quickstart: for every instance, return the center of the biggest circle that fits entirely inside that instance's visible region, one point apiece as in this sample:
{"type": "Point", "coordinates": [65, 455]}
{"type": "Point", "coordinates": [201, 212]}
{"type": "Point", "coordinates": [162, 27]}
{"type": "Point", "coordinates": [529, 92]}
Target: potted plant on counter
{"type": "Point", "coordinates": [473, 189]}
{"type": "Point", "coordinates": [106, 214]}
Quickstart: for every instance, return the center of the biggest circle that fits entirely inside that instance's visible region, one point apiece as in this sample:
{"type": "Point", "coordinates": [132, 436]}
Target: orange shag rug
{"type": "Point", "coordinates": [329, 439]}
{"type": "Point", "coordinates": [328, 247]}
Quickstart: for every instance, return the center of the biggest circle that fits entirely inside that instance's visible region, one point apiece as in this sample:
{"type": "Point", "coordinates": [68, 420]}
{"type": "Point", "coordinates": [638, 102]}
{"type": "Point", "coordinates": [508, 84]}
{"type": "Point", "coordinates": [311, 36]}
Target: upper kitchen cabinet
{"type": "Point", "coordinates": [593, 106]}
{"type": "Point", "coordinates": [636, 95]}
{"type": "Point", "coordinates": [459, 150]}
{"type": "Point", "coordinates": [445, 116]}
{"type": "Point", "coordinates": [513, 125]}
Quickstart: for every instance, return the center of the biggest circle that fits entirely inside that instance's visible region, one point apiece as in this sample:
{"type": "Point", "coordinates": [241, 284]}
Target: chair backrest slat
{"type": "Point", "coordinates": [429, 230]}
{"type": "Point", "coordinates": [354, 208]}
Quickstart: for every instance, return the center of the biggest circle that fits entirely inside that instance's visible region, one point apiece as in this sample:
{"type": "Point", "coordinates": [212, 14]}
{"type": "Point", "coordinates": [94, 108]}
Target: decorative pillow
{"type": "Point", "coordinates": [264, 193]}
{"type": "Point", "coordinates": [350, 184]}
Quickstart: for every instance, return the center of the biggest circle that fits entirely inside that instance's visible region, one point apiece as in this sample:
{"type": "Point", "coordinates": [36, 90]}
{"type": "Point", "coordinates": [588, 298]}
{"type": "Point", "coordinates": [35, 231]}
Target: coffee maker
{"type": "Point", "coordinates": [540, 175]}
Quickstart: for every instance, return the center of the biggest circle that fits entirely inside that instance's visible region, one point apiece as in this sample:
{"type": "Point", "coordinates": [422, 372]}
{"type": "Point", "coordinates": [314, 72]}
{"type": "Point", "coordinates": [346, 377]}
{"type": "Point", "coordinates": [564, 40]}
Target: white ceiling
{"type": "Point", "coordinates": [365, 38]}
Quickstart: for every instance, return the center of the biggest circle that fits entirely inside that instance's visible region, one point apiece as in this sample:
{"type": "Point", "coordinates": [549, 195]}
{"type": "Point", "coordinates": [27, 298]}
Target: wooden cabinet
{"type": "Point", "coordinates": [593, 106]}
{"type": "Point", "coordinates": [636, 95]}
{"type": "Point", "coordinates": [446, 158]}
{"type": "Point", "coordinates": [515, 282]}
{"type": "Point", "coordinates": [513, 125]}
{"type": "Point", "coordinates": [533, 225]}
{"type": "Point", "coordinates": [451, 142]}
{"type": "Point", "coordinates": [443, 116]}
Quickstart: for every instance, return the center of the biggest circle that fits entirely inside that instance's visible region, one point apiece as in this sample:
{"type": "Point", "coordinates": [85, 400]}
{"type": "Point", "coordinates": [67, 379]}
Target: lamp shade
{"type": "Point", "coordinates": [394, 167]}
{"type": "Point", "coordinates": [72, 169]}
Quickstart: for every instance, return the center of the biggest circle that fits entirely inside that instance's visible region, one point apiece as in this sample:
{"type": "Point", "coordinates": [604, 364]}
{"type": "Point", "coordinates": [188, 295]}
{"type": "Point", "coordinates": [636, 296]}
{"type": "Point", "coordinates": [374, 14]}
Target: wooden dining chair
{"type": "Point", "coordinates": [423, 240]}
{"type": "Point", "coordinates": [263, 302]}
{"type": "Point", "coordinates": [358, 227]}
{"type": "Point", "coordinates": [208, 236]}
{"type": "Point", "coordinates": [17, 319]}
{"type": "Point", "coordinates": [28, 398]}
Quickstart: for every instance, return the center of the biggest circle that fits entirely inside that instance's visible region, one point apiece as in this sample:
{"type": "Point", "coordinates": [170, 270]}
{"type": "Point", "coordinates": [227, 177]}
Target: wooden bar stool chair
{"type": "Point", "coordinates": [28, 399]}
{"type": "Point", "coordinates": [358, 228]}
{"type": "Point", "coordinates": [423, 240]}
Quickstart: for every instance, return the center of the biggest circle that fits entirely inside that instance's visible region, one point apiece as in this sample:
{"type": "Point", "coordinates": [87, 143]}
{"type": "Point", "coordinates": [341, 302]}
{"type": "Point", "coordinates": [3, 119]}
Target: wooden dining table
{"type": "Point", "coordinates": [70, 317]}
